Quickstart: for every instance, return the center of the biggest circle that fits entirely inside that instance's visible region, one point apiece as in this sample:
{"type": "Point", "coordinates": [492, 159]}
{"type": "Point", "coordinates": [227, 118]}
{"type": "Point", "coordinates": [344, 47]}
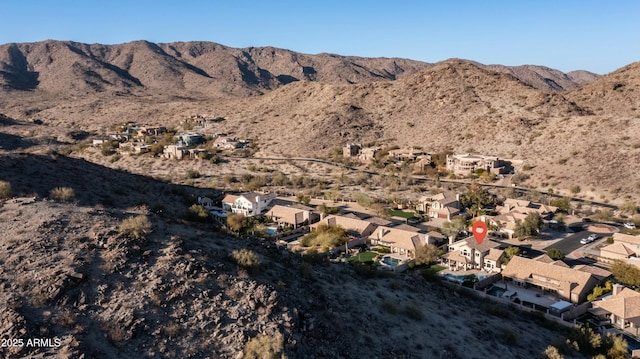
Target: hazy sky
{"type": "Point", "coordinates": [598, 36]}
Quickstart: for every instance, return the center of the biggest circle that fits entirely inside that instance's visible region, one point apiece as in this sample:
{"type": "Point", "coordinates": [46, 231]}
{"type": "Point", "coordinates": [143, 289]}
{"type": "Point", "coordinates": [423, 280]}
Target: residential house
{"type": "Point", "coordinates": [355, 227]}
{"type": "Point", "coordinates": [176, 152]}
{"type": "Point", "coordinates": [468, 254]}
{"type": "Point", "coordinates": [226, 142]}
{"type": "Point", "coordinates": [408, 154]}
{"type": "Point", "coordinates": [134, 147]}
{"type": "Point", "coordinates": [624, 247]}
{"type": "Point", "coordinates": [190, 139]}
{"type": "Point", "coordinates": [367, 154]}
{"type": "Point", "coordinates": [514, 210]}
{"type": "Point", "coordinates": [152, 130]}
{"type": "Point", "coordinates": [512, 205]}
{"type": "Point", "coordinates": [443, 205]}
{"type": "Point", "coordinates": [249, 204]}
{"type": "Point", "coordinates": [622, 308]}
{"type": "Point", "coordinates": [351, 150]}
{"type": "Point", "coordinates": [98, 141]}
{"type": "Point", "coordinates": [400, 241]}
{"type": "Point", "coordinates": [570, 284]}
{"type": "Point", "coordinates": [465, 163]}
{"type": "Point", "coordinates": [292, 216]}
{"type": "Point", "coordinates": [206, 202]}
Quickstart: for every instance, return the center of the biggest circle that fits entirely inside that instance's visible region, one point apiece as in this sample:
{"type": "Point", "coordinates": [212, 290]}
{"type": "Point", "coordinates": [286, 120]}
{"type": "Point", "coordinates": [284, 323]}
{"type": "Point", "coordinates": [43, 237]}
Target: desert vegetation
{"type": "Point", "coordinates": [65, 194]}
{"type": "Point", "coordinates": [136, 227]}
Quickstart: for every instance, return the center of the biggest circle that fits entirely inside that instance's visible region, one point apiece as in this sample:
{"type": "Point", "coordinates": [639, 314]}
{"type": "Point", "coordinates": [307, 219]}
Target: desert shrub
{"type": "Point", "coordinates": [5, 190]}
{"type": "Point", "coordinates": [508, 336]}
{"type": "Point", "coordinates": [412, 311]}
{"type": "Point", "coordinates": [136, 227]}
{"type": "Point", "coordinates": [265, 347]}
{"type": "Point", "coordinates": [519, 178]}
{"type": "Point", "coordinates": [236, 221]}
{"type": "Point", "coordinates": [65, 194]}
{"type": "Point", "coordinates": [193, 174]}
{"type": "Point", "coordinates": [325, 236]}
{"type": "Point", "coordinates": [552, 353]}
{"type": "Point", "coordinates": [389, 306]}
{"type": "Point", "coordinates": [197, 213]}
{"type": "Point", "coordinates": [246, 258]}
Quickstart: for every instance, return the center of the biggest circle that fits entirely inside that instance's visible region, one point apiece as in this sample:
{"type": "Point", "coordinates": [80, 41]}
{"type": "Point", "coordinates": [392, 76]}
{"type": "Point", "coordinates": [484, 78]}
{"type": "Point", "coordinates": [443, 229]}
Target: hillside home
{"type": "Point", "coordinates": [190, 139]}
{"type": "Point", "coordinates": [465, 163]}
{"type": "Point", "coordinates": [408, 154]}
{"type": "Point", "coordinates": [512, 205]}
{"type": "Point", "coordinates": [621, 308]}
{"type": "Point", "coordinates": [227, 143]}
{"type": "Point", "coordinates": [514, 210]}
{"type": "Point", "coordinates": [468, 254]}
{"type": "Point", "coordinates": [175, 152]}
{"type": "Point", "coordinates": [443, 205]}
{"type": "Point", "coordinates": [351, 150]}
{"type": "Point", "coordinates": [400, 241]}
{"type": "Point", "coordinates": [286, 216]}
{"type": "Point", "coordinates": [569, 284]}
{"type": "Point", "coordinates": [249, 204]}
{"type": "Point", "coordinates": [624, 247]}
{"type": "Point", "coordinates": [355, 227]}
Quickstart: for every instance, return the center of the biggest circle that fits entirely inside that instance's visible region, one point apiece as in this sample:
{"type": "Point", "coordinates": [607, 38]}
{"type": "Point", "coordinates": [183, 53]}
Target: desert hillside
{"type": "Point", "coordinates": [70, 272]}
{"type": "Point", "coordinates": [295, 104]}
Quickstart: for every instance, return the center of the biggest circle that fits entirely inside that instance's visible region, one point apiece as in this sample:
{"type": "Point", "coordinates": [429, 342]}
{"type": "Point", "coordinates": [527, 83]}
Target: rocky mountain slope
{"type": "Point", "coordinates": [208, 69]}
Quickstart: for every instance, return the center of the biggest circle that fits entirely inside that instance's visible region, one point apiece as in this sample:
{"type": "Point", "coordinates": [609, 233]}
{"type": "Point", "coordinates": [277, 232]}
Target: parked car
{"type": "Point", "coordinates": [589, 239]}
{"type": "Point", "coordinates": [629, 225]}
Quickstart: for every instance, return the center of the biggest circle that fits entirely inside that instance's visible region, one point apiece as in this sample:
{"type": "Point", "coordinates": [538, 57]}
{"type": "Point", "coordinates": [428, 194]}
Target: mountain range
{"type": "Point", "coordinates": [572, 128]}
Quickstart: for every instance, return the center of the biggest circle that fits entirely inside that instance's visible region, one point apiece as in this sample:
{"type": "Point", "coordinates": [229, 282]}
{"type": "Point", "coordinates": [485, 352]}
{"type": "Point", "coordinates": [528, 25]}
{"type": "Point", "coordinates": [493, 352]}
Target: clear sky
{"type": "Point", "coordinates": [598, 36]}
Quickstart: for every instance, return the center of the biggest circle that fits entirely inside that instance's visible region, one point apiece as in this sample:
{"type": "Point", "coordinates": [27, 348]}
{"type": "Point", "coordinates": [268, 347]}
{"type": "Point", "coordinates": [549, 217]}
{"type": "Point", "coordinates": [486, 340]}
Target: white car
{"type": "Point", "coordinates": [629, 225]}
{"type": "Point", "coordinates": [589, 239]}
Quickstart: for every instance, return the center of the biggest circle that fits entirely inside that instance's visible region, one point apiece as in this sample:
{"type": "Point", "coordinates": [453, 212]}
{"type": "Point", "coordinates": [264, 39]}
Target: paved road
{"type": "Point", "coordinates": [572, 242]}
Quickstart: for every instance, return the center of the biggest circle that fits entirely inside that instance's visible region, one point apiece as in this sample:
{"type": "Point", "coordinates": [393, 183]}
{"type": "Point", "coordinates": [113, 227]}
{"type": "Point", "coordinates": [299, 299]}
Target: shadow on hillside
{"type": "Point", "coordinates": [17, 74]}
{"type": "Point", "coordinates": [94, 184]}
{"type": "Point", "coordinates": [12, 142]}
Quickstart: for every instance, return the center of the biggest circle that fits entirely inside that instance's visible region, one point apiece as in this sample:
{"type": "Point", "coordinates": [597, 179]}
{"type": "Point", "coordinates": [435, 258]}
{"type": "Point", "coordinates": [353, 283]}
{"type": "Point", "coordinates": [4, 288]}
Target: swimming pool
{"type": "Point", "coordinates": [390, 261]}
{"type": "Point", "coordinates": [496, 291]}
{"type": "Point", "coordinates": [272, 231]}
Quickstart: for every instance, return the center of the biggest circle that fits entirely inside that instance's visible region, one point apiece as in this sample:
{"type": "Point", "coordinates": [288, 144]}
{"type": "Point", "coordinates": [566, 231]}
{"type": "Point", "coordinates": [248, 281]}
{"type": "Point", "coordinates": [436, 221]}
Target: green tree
{"type": "Point", "coordinates": [426, 254]}
{"type": "Point", "coordinates": [362, 199]}
{"type": "Point", "coordinates": [529, 227]}
{"type": "Point", "coordinates": [556, 254]}
{"type": "Point", "coordinates": [563, 204]}
{"type": "Point", "coordinates": [626, 273]}
{"type": "Point", "coordinates": [511, 252]}
{"type": "Point", "coordinates": [453, 227]}
{"type": "Point", "coordinates": [476, 198]}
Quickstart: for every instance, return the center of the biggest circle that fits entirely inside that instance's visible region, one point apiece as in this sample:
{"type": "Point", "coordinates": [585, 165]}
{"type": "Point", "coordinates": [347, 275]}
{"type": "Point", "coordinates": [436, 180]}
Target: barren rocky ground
{"type": "Point", "coordinates": [68, 273]}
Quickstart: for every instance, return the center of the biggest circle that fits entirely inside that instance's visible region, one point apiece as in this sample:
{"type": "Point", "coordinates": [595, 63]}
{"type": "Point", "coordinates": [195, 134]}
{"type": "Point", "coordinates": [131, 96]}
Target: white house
{"type": "Point", "coordinates": [249, 204]}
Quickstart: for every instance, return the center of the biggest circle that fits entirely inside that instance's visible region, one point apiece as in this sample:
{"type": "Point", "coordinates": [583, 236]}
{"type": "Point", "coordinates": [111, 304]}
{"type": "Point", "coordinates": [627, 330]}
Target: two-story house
{"type": "Point", "coordinates": [469, 254]}
{"type": "Point", "coordinates": [249, 204]}
{"type": "Point", "coordinates": [442, 205]}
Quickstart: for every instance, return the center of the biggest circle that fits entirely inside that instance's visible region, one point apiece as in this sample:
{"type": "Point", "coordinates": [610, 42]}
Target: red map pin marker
{"type": "Point", "coordinates": [479, 230]}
